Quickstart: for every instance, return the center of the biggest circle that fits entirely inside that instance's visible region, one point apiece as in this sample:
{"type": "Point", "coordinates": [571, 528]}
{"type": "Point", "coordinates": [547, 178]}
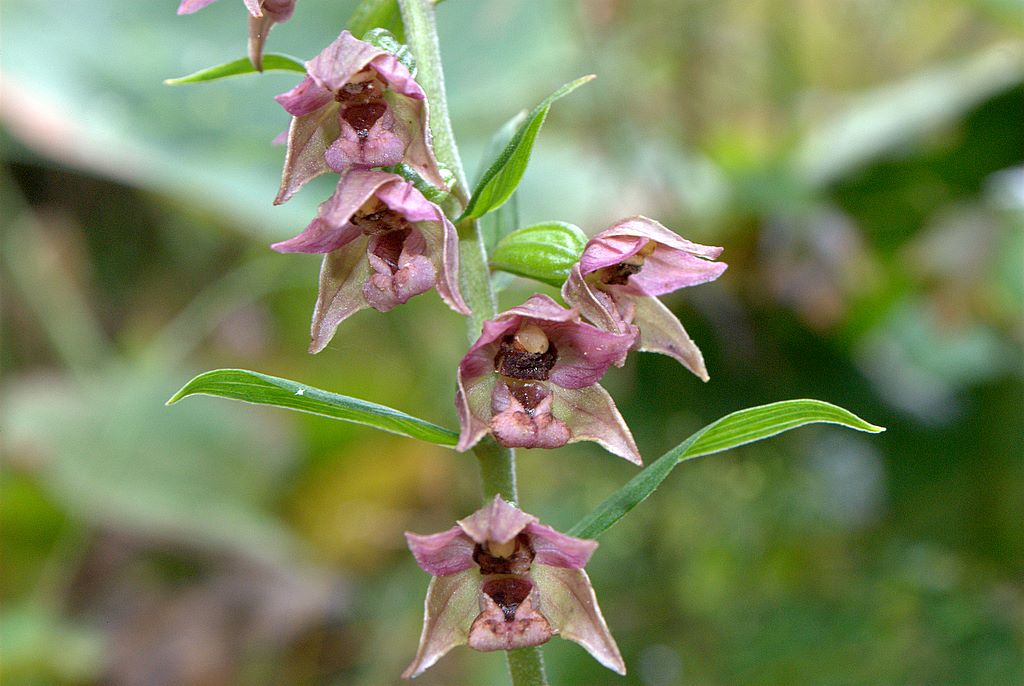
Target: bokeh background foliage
{"type": "Point", "coordinates": [862, 161]}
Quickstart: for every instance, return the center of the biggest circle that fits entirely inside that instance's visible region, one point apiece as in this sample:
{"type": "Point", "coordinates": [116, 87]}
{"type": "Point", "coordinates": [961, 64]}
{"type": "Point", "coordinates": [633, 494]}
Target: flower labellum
{"type": "Point", "coordinates": [503, 581]}
{"type": "Point", "coordinates": [263, 14]}
{"type": "Point", "coordinates": [621, 271]}
{"type": "Point", "coordinates": [357, 108]}
{"type": "Point", "coordinates": [531, 381]}
{"type": "Point", "coordinates": [383, 243]}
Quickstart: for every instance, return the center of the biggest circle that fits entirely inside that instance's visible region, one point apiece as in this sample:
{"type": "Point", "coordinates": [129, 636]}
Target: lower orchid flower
{"type": "Point", "coordinates": [531, 381]}
{"type": "Point", "coordinates": [621, 271]}
{"type": "Point", "coordinates": [263, 14]}
{"type": "Point", "coordinates": [383, 243]}
{"type": "Point", "coordinates": [503, 581]}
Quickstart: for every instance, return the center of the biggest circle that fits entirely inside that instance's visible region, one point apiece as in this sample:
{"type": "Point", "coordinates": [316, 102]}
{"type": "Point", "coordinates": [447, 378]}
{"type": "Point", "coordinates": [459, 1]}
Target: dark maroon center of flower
{"type": "Point", "coordinates": [381, 220]}
{"type": "Point", "coordinates": [363, 117]}
{"type": "Point", "coordinates": [529, 395]}
{"type": "Point", "coordinates": [516, 563]}
{"type": "Point", "coordinates": [508, 594]}
{"type": "Point", "coordinates": [388, 247]}
{"type": "Point", "coordinates": [618, 274]}
{"type": "Point", "coordinates": [512, 361]}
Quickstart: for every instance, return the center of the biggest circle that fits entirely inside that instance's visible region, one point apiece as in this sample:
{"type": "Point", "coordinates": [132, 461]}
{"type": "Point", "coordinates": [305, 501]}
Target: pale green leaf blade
{"type": "Point", "coordinates": [736, 429]}
{"type": "Point", "coordinates": [262, 389]}
{"type": "Point", "coordinates": [271, 62]}
{"type": "Point", "coordinates": [502, 177]}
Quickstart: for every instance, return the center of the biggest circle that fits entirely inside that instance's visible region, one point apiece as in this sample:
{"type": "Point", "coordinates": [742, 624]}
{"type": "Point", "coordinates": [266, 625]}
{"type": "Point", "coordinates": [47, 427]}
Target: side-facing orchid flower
{"type": "Point", "coordinates": [621, 271]}
{"type": "Point", "coordinates": [383, 243]}
{"type": "Point", "coordinates": [358, 107]}
{"type": "Point", "coordinates": [531, 381]}
{"type": "Point", "coordinates": [503, 581]}
{"type": "Point", "coordinates": [263, 14]}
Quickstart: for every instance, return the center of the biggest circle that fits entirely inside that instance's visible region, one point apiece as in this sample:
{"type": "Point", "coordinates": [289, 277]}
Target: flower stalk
{"type": "Point", "coordinates": [497, 463]}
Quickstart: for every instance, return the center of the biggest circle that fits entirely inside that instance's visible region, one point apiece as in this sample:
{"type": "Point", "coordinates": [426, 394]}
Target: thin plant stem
{"type": "Point", "coordinates": [497, 464]}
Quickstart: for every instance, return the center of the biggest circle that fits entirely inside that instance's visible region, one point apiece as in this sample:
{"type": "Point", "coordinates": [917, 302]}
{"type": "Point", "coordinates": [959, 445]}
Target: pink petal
{"type": "Point", "coordinates": [556, 549]}
{"type": "Point", "coordinates": [340, 294]}
{"type": "Point", "coordinates": [380, 147]}
{"type": "Point", "coordinates": [515, 427]}
{"type": "Point", "coordinates": [497, 521]}
{"type": "Point", "coordinates": [190, 6]}
{"type": "Point", "coordinates": [585, 352]}
{"type": "Point", "coordinates": [415, 274]}
{"type": "Point", "coordinates": [451, 605]}
{"type": "Point", "coordinates": [254, 7]}
{"type": "Point", "coordinates": [592, 416]}
{"type": "Point", "coordinates": [331, 228]}
{"type": "Point", "coordinates": [661, 332]}
{"type": "Point", "coordinates": [594, 305]}
{"type": "Point", "coordinates": [404, 199]}
{"type": "Point", "coordinates": [397, 76]}
{"type": "Point", "coordinates": [675, 263]}
{"type": "Point", "coordinates": [448, 552]}
{"type": "Point", "coordinates": [308, 139]}
{"type": "Point", "coordinates": [347, 55]}
{"type": "Point", "coordinates": [305, 98]}
{"type": "Point", "coordinates": [493, 630]}
{"type": "Point", "coordinates": [569, 603]}
{"type": "Point", "coordinates": [414, 118]}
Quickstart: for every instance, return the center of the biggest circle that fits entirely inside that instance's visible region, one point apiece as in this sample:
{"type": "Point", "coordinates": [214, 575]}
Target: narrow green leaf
{"type": "Point", "coordinates": [372, 14]}
{"type": "Point", "coordinates": [502, 177]}
{"type": "Point", "coordinates": [261, 389]}
{"type": "Point", "coordinates": [736, 429]}
{"type": "Point", "coordinates": [545, 252]}
{"type": "Point", "coordinates": [271, 62]}
{"type": "Point", "coordinates": [497, 224]}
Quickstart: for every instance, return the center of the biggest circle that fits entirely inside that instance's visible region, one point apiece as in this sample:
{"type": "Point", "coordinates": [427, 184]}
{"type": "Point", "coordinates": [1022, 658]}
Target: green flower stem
{"type": "Point", "coordinates": [497, 464]}
{"type": "Point", "coordinates": [527, 667]}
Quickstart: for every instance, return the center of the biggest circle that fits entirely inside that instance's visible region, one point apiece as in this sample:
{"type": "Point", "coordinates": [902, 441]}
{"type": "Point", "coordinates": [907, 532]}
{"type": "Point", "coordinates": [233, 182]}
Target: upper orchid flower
{"type": "Point", "coordinates": [263, 14]}
{"type": "Point", "coordinates": [531, 381]}
{"type": "Point", "coordinates": [384, 243]}
{"type": "Point", "coordinates": [502, 581]}
{"type": "Point", "coordinates": [621, 271]}
{"type": "Point", "coordinates": [358, 107]}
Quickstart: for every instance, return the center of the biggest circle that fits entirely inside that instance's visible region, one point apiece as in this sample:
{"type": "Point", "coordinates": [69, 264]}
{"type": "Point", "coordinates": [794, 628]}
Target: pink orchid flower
{"type": "Point", "coordinates": [621, 271]}
{"type": "Point", "coordinates": [503, 581]}
{"type": "Point", "coordinates": [531, 381]}
{"type": "Point", "coordinates": [263, 14]}
{"type": "Point", "coordinates": [357, 108]}
{"type": "Point", "coordinates": [383, 243]}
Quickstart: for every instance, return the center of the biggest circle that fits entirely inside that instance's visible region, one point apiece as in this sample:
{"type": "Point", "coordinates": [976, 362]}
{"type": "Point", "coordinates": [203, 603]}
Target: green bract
{"type": "Point", "coordinates": [385, 40]}
{"type": "Point", "coordinates": [736, 429]}
{"type": "Point", "coordinates": [504, 174]}
{"type": "Point", "coordinates": [261, 389]}
{"type": "Point", "coordinates": [544, 252]}
{"type": "Point", "coordinates": [271, 62]}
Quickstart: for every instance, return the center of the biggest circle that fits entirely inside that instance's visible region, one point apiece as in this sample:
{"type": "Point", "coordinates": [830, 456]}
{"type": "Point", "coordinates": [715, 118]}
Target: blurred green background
{"type": "Point", "coordinates": [862, 162]}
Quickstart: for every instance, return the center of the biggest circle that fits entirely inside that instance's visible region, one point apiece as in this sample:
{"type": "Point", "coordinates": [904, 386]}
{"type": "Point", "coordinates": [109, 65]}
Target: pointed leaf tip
{"type": "Point", "coordinates": [733, 430]}
{"type": "Point", "coordinates": [503, 176]}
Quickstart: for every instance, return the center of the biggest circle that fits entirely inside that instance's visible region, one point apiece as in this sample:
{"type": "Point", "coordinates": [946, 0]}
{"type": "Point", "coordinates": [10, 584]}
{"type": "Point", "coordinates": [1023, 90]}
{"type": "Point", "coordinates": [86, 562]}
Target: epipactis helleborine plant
{"type": "Point", "coordinates": [531, 381]}
{"type": "Point", "coordinates": [621, 271]}
{"type": "Point", "coordinates": [383, 243]}
{"type": "Point", "coordinates": [358, 107]}
{"type": "Point", "coordinates": [503, 581]}
{"type": "Point", "coordinates": [263, 14]}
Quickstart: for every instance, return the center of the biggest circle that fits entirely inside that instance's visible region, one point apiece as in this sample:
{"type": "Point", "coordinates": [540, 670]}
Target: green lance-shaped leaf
{"type": "Point", "coordinates": [502, 177]}
{"type": "Point", "coordinates": [261, 389]}
{"type": "Point", "coordinates": [545, 252]}
{"type": "Point", "coordinates": [271, 62]}
{"type": "Point", "coordinates": [736, 429]}
{"type": "Point", "coordinates": [497, 224]}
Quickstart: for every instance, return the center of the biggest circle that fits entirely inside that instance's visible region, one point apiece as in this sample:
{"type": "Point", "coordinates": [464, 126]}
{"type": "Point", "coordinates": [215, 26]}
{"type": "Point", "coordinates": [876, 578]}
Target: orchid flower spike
{"type": "Point", "coordinates": [621, 271]}
{"type": "Point", "coordinates": [358, 107]}
{"type": "Point", "coordinates": [531, 381]}
{"type": "Point", "coordinates": [503, 581]}
{"type": "Point", "coordinates": [263, 14]}
{"type": "Point", "coordinates": [383, 243]}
